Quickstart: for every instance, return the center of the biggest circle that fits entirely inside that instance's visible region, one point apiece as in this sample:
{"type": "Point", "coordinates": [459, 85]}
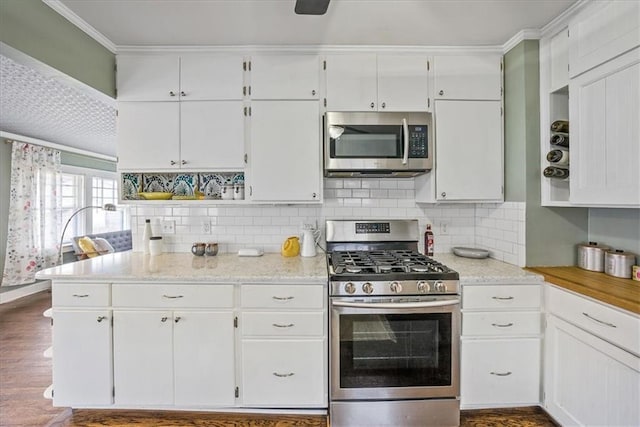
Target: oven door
{"type": "Point", "coordinates": [394, 348]}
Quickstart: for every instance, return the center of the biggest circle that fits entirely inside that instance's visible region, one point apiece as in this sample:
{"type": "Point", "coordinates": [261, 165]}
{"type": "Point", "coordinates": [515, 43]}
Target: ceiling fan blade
{"type": "Point", "coordinates": [311, 7]}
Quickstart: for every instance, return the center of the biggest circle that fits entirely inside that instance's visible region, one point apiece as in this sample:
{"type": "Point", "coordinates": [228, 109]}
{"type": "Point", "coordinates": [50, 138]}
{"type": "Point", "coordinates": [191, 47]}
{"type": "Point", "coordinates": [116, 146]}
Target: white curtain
{"type": "Point", "coordinates": [34, 213]}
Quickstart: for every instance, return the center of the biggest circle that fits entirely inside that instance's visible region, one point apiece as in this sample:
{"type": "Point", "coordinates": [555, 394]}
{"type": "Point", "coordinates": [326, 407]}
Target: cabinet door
{"type": "Point", "coordinates": [287, 373]}
{"type": "Point", "coordinates": [468, 76]}
{"type": "Point", "coordinates": [500, 372]}
{"type": "Point", "coordinates": [285, 151]}
{"type": "Point", "coordinates": [403, 83]}
{"type": "Point", "coordinates": [148, 135]}
{"type": "Point", "coordinates": [605, 119]}
{"type": "Point", "coordinates": [602, 32]}
{"type": "Point", "coordinates": [143, 357]}
{"type": "Point", "coordinates": [285, 77]}
{"type": "Point", "coordinates": [148, 77]}
{"type": "Point", "coordinates": [211, 77]}
{"type": "Point", "coordinates": [82, 368]}
{"type": "Point", "coordinates": [559, 60]}
{"type": "Point", "coordinates": [588, 381]}
{"type": "Point", "coordinates": [352, 82]}
{"type": "Point", "coordinates": [204, 359]}
{"type": "Point", "coordinates": [212, 135]}
{"type": "Point", "coordinates": [468, 150]}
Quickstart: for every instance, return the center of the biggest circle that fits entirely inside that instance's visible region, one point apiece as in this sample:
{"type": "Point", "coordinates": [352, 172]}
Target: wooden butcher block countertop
{"type": "Point", "coordinates": [621, 293]}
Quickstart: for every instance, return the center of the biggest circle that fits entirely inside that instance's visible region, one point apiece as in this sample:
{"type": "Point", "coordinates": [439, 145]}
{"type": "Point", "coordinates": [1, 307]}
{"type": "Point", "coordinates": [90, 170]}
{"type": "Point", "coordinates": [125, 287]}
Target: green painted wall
{"type": "Point", "coordinates": [35, 29]}
{"type": "Point", "coordinates": [551, 233]}
{"type": "Point", "coordinates": [73, 159]}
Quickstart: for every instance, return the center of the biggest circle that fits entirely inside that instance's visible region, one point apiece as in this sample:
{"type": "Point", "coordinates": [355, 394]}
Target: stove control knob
{"type": "Point", "coordinates": [350, 288]}
{"type": "Point", "coordinates": [396, 287]}
{"type": "Point", "coordinates": [423, 287]}
{"type": "Point", "coordinates": [440, 286]}
{"type": "Point", "coordinates": [367, 288]}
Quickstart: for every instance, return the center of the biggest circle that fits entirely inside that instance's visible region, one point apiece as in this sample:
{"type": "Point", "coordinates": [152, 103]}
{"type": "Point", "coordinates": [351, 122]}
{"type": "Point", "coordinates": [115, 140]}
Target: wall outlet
{"type": "Point", "coordinates": [444, 227]}
{"type": "Point", "coordinates": [206, 227]}
{"type": "Point", "coordinates": [168, 227]}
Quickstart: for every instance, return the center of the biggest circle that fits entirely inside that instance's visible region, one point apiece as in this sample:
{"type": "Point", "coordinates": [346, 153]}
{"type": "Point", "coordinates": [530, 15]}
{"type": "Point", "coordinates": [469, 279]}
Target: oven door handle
{"type": "Point", "coordinates": [425, 304]}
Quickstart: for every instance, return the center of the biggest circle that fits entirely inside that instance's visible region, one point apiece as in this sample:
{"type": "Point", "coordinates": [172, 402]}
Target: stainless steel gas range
{"type": "Point", "coordinates": [394, 328]}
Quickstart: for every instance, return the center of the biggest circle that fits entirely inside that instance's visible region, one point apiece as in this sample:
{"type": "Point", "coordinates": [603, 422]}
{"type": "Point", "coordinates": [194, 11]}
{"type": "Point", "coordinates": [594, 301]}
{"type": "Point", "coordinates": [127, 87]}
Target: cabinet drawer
{"type": "Point", "coordinates": [80, 295]}
{"type": "Point", "coordinates": [610, 324]}
{"type": "Point", "coordinates": [283, 324]}
{"type": "Point", "coordinates": [492, 297]}
{"type": "Point", "coordinates": [170, 296]}
{"type": "Point", "coordinates": [282, 296]}
{"type": "Point", "coordinates": [500, 323]}
{"type": "Point", "coordinates": [500, 372]}
{"type": "Point", "coordinates": [283, 373]}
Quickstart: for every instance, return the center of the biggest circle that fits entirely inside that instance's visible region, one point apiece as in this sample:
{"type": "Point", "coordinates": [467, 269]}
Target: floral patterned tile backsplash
{"type": "Point", "coordinates": [180, 184]}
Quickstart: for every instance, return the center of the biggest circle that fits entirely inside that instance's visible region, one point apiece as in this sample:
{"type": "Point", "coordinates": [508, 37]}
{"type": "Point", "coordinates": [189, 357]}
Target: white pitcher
{"type": "Point", "coordinates": [309, 240]}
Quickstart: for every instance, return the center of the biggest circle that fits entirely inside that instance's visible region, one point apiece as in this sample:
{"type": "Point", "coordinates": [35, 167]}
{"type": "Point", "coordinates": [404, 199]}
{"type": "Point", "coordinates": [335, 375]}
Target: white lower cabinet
{"type": "Point", "coordinates": [182, 358]}
{"type": "Point", "coordinates": [500, 371]}
{"type": "Point", "coordinates": [501, 345]}
{"type": "Point", "coordinates": [82, 362]}
{"type": "Point", "coordinates": [283, 373]}
{"type": "Point", "coordinates": [284, 346]}
{"type": "Point", "coordinates": [590, 380]}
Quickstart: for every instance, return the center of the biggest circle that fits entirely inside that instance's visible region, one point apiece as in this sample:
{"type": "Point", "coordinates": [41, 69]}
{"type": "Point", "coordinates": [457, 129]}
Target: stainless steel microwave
{"type": "Point", "coordinates": [384, 144]}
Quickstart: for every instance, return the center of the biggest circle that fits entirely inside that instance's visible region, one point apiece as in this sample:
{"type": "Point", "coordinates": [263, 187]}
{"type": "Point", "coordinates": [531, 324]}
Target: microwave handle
{"type": "Point", "coordinates": [405, 132]}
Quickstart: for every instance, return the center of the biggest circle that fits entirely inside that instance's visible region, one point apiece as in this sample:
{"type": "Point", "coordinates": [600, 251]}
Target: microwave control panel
{"type": "Point", "coordinates": [418, 141]}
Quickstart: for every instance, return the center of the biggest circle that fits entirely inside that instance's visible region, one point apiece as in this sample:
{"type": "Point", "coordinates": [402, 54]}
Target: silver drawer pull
{"type": "Point", "coordinates": [611, 325]}
{"type": "Point", "coordinates": [501, 374]}
{"type": "Point", "coordinates": [502, 298]}
{"type": "Point", "coordinates": [290, 374]}
{"type": "Point", "coordinates": [503, 325]}
{"type": "Point", "coordinates": [278, 325]}
{"type": "Point", "coordinates": [80, 295]}
{"type": "Point", "coordinates": [172, 296]}
{"type": "Point", "coordinates": [282, 298]}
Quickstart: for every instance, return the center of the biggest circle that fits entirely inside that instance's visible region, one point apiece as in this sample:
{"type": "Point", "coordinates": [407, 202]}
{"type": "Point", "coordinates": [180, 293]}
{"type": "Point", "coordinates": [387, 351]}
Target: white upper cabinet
{"type": "Point", "coordinates": [602, 32]}
{"type": "Point", "coordinates": [370, 82]}
{"type": "Point", "coordinates": [173, 78]}
{"type": "Point", "coordinates": [285, 77]}
{"type": "Point", "coordinates": [285, 151]}
{"type": "Point", "coordinates": [605, 119]}
{"type": "Point", "coordinates": [148, 77]}
{"type": "Point", "coordinates": [403, 83]}
{"type": "Point", "coordinates": [214, 77]}
{"type": "Point", "coordinates": [468, 76]}
{"type": "Point", "coordinates": [468, 151]}
{"type": "Point", "coordinates": [559, 60]}
{"type": "Point", "coordinates": [352, 82]}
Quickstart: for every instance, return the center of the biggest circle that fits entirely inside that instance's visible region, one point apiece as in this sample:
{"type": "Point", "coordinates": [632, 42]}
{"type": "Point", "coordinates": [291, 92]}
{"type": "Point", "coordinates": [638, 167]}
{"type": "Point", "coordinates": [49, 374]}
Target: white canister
{"type": "Point", "coordinates": [155, 245]}
{"type": "Point", "coordinates": [238, 192]}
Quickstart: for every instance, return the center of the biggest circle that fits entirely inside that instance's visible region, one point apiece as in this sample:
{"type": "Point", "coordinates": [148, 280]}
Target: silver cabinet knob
{"type": "Point", "coordinates": [172, 162]}
{"type": "Point", "coordinates": [164, 319]}
{"type": "Point", "coordinates": [182, 93]}
{"type": "Point", "coordinates": [184, 162]}
{"type": "Point", "coordinates": [373, 105]}
{"type": "Point", "coordinates": [101, 318]}
{"type": "Point", "coordinates": [443, 194]}
{"type": "Point", "coordinates": [384, 104]}
{"type": "Point", "coordinates": [177, 319]}
{"type": "Point", "coordinates": [314, 195]}
{"type": "Point", "coordinates": [313, 92]}
{"type": "Point", "coordinates": [172, 93]}
{"type": "Point", "coordinates": [441, 93]}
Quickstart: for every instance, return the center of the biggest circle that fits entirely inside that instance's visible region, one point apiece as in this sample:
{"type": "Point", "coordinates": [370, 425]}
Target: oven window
{"type": "Point", "coordinates": [373, 141]}
{"type": "Point", "coordinates": [395, 350]}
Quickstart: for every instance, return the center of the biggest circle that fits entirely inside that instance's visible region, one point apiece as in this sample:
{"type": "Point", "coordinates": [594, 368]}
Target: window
{"type": "Point", "coordinates": [89, 187]}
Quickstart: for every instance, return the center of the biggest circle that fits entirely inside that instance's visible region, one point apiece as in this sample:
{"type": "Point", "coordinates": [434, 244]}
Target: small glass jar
{"type": "Point", "coordinates": [155, 245]}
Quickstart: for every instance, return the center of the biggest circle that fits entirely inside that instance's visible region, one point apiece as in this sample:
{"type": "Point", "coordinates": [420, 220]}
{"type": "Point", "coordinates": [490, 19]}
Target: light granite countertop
{"type": "Point", "coordinates": [271, 268]}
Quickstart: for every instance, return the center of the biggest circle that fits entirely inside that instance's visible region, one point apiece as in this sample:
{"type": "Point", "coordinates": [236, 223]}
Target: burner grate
{"type": "Point", "coordinates": [384, 262]}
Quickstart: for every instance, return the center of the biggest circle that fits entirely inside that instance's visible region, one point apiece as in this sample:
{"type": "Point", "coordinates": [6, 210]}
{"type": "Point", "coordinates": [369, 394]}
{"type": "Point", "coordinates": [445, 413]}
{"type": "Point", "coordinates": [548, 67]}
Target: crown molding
{"type": "Point", "coordinates": [81, 24]}
{"type": "Point", "coordinates": [562, 20]}
{"type": "Point", "coordinates": [520, 36]}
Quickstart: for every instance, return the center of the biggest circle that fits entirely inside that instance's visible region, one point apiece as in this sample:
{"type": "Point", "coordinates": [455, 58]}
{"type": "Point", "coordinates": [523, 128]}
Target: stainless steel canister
{"type": "Point", "coordinates": [591, 256]}
{"type": "Point", "coordinates": [618, 263]}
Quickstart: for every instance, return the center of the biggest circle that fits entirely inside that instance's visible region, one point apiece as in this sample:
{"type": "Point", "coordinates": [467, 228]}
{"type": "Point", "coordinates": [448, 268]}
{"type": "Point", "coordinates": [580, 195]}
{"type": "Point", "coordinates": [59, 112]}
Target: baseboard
{"type": "Point", "coordinates": [12, 293]}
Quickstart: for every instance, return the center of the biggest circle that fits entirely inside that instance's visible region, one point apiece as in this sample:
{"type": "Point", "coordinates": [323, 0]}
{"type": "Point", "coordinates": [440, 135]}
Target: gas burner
{"type": "Point", "coordinates": [419, 268]}
{"type": "Point", "coordinates": [385, 268]}
{"type": "Point", "coordinates": [353, 269]}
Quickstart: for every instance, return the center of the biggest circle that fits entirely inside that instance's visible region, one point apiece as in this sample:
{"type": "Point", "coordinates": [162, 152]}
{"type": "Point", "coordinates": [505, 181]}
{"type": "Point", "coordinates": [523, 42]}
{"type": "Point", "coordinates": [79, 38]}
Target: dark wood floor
{"type": "Point", "coordinates": [25, 374]}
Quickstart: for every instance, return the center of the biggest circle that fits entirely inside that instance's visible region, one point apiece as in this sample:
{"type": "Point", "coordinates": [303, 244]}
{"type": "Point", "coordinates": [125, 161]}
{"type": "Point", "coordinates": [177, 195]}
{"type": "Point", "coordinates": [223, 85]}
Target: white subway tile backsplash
{"type": "Point", "coordinates": [352, 183]}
